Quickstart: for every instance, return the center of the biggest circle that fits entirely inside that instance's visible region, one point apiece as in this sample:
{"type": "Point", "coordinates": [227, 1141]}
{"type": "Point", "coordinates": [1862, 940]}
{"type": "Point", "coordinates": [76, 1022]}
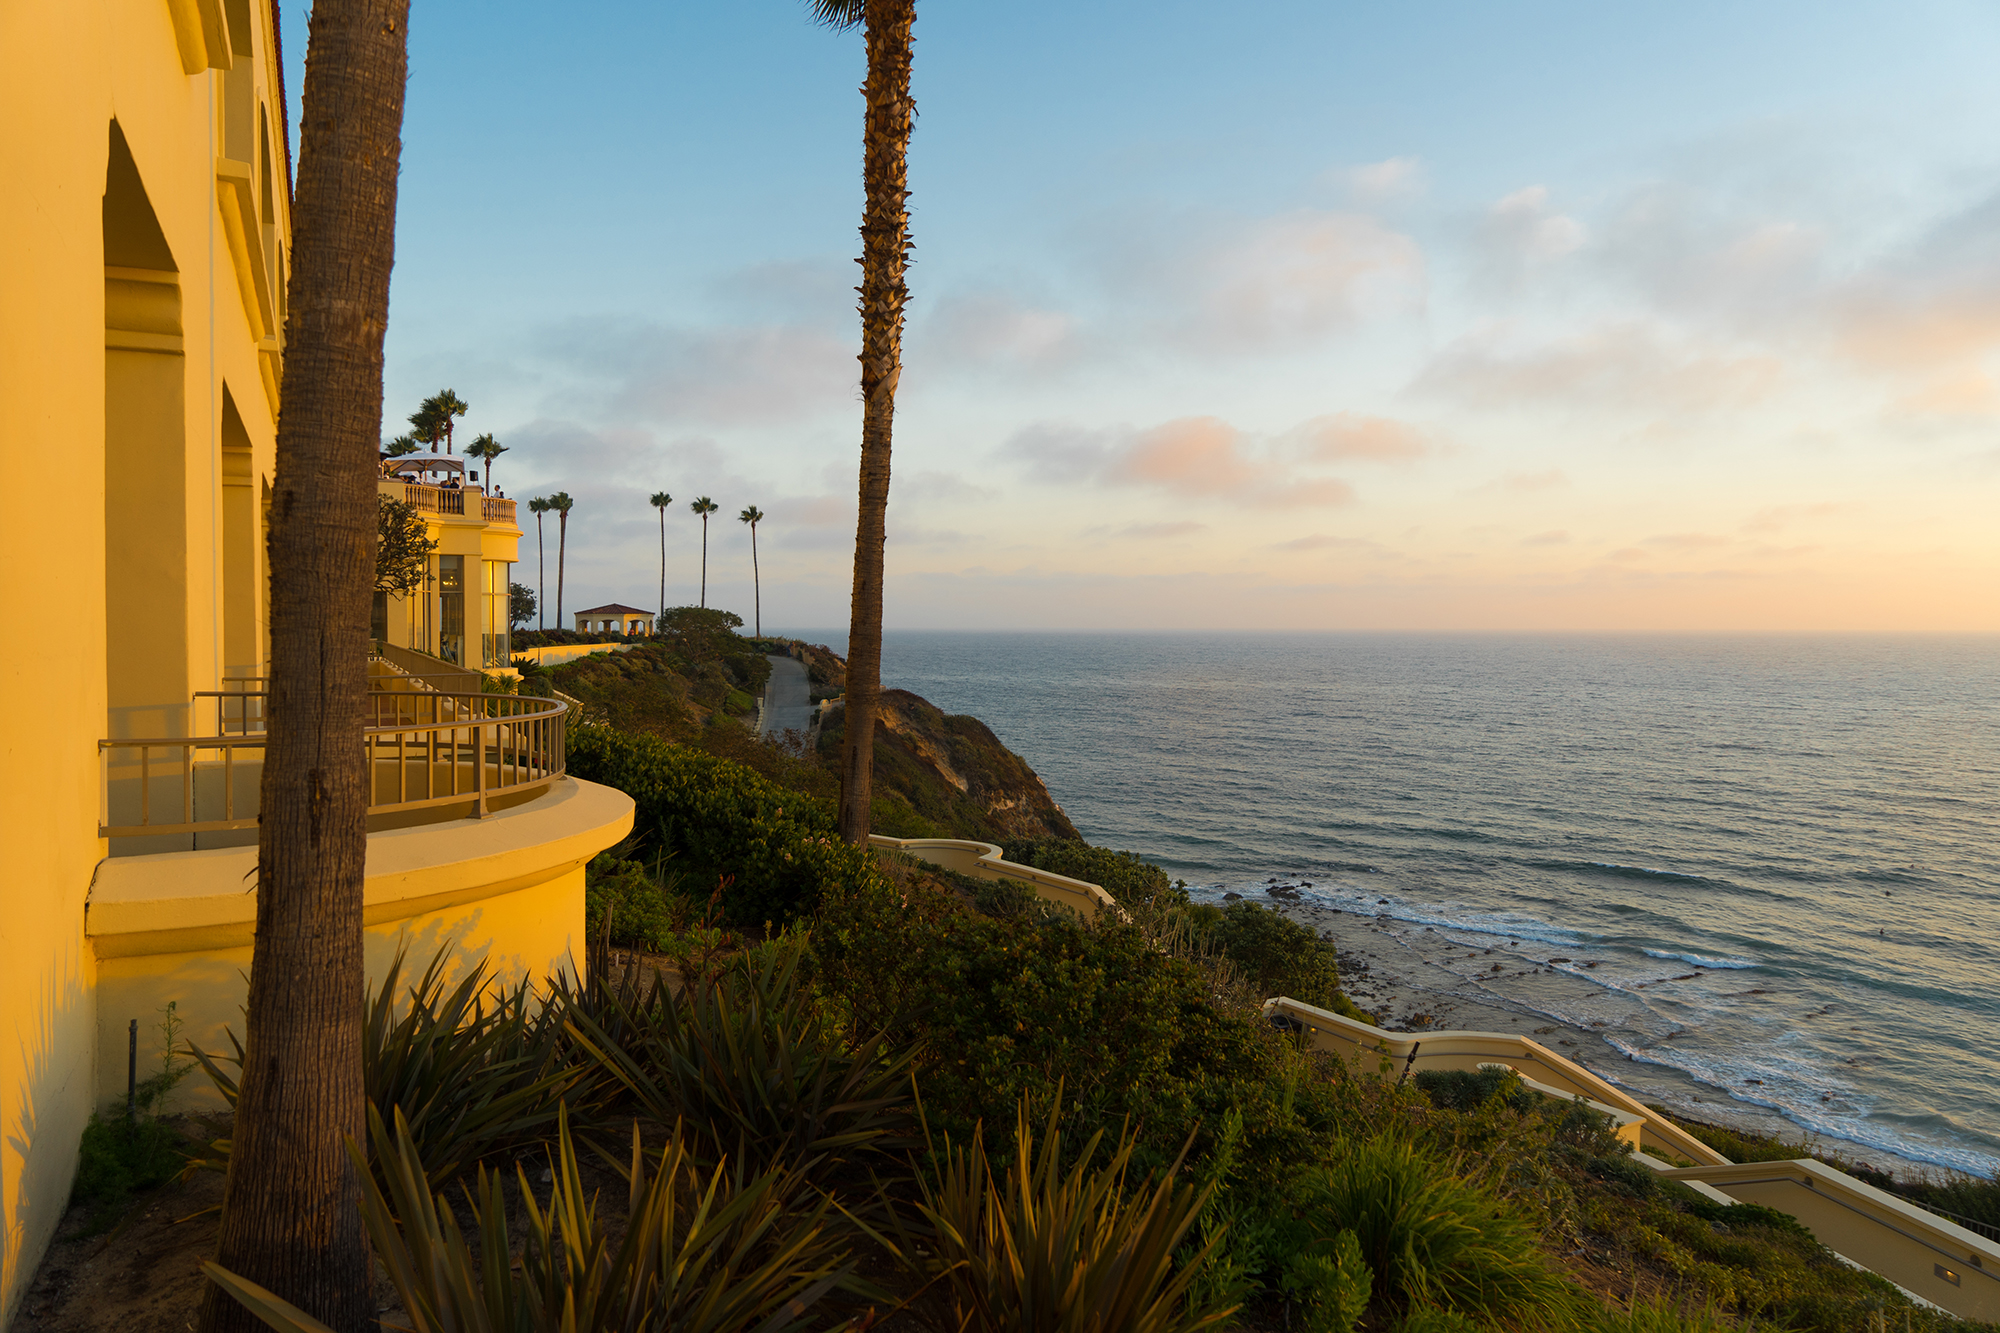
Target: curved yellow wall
{"type": "Point", "coordinates": [507, 889]}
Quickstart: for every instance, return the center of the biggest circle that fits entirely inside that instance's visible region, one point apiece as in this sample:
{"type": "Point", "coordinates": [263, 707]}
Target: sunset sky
{"type": "Point", "coordinates": [1307, 315]}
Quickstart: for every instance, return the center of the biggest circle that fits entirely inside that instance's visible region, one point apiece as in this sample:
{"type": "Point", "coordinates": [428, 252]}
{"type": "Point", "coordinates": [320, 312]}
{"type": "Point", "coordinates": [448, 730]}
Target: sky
{"type": "Point", "coordinates": [1441, 316]}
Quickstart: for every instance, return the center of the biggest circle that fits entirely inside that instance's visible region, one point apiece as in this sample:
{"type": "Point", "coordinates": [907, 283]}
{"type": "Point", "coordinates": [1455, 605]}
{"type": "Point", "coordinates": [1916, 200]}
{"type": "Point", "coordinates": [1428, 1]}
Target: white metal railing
{"type": "Point", "coordinates": [423, 749]}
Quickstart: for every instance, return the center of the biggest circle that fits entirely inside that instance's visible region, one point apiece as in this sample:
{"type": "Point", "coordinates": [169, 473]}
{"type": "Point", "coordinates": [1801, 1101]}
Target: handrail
{"type": "Point", "coordinates": [984, 860]}
{"type": "Point", "coordinates": [423, 749]}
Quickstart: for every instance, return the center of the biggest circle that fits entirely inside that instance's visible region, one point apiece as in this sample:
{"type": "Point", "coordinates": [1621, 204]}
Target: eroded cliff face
{"type": "Point", "coordinates": [944, 776]}
{"type": "Point", "coordinates": [964, 753]}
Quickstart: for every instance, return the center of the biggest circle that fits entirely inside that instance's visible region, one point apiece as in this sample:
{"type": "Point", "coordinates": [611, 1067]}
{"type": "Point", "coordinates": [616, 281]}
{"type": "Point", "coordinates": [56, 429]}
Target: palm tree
{"type": "Point", "coordinates": [402, 444]}
{"type": "Point", "coordinates": [439, 409]}
{"type": "Point", "coordinates": [539, 506]}
{"type": "Point", "coordinates": [705, 506]}
{"type": "Point", "coordinates": [292, 1220]}
{"type": "Point", "coordinates": [885, 245]}
{"type": "Point", "coordinates": [660, 501]}
{"type": "Point", "coordinates": [753, 516]}
{"type": "Point", "coordinates": [486, 449]}
{"type": "Point", "coordinates": [560, 502]}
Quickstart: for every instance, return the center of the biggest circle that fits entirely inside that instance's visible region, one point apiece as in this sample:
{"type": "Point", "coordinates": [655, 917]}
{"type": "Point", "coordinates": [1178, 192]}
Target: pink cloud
{"type": "Point", "coordinates": [1348, 435]}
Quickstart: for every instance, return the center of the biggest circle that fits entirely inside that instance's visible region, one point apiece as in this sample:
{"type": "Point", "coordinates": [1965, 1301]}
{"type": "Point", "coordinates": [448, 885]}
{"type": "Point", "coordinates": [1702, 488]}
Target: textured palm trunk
{"type": "Point", "coordinates": [562, 557]}
{"type": "Point", "coordinates": [885, 246]}
{"type": "Point", "coordinates": [663, 568]}
{"type": "Point", "coordinates": [291, 1219]}
{"type": "Point", "coordinates": [704, 561]}
{"type": "Point", "coordinates": [756, 584]}
{"type": "Point", "coordinates": [541, 578]}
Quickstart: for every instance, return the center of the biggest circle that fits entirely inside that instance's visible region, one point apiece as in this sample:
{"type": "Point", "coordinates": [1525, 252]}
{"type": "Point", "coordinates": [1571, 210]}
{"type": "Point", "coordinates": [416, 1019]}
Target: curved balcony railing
{"type": "Point", "coordinates": [463, 500]}
{"type": "Point", "coordinates": [424, 750]}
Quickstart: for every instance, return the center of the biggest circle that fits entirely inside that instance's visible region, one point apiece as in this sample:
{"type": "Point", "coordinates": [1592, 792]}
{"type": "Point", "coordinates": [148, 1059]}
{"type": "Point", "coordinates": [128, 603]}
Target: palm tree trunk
{"type": "Point", "coordinates": [291, 1219]}
{"type": "Point", "coordinates": [756, 582]}
{"type": "Point", "coordinates": [541, 578]}
{"type": "Point", "coordinates": [663, 567]}
{"type": "Point", "coordinates": [562, 558]}
{"type": "Point", "coordinates": [885, 244]}
{"type": "Point", "coordinates": [704, 561]}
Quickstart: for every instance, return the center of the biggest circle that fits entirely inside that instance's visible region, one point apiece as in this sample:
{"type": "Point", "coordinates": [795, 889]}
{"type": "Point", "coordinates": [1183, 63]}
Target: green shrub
{"type": "Point", "coordinates": [1123, 875]}
{"type": "Point", "coordinates": [120, 1157]}
{"type": "Point", "coordinates": [778, 848]}
{"type": "Point", "coordinates": [641, 903]}
{"type": "Point", "coordinates": [1470, 1089]}
{"type": "Point", "coordinates": [1432, 1238]}
{"type": "Point", "coordinates": [1279, 956]}
{"type": "Point", "coordinates": [1055, 1249]}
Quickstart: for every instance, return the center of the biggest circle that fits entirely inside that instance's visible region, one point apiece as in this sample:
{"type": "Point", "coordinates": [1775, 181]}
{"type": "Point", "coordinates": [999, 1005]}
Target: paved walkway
{"type": "Point", "coordinates": [789, 695]}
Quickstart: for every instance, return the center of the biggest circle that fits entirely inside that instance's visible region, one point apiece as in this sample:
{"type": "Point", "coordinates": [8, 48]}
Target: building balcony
{"type": "Point", "coordinates": [451, 501]}
{"type": "Point", "coordinates": [432, 756]}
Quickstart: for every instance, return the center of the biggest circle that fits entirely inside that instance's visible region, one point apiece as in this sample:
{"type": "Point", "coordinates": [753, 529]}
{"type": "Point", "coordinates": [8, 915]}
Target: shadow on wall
{"type": "Point", "coordinates": [39, 1153]}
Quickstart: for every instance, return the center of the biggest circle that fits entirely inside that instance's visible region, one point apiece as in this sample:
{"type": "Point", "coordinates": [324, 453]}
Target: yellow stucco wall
{"type": "Point", "coordinates": [507, 889]}
{"type": "Point", "coordinates": [155, 320]}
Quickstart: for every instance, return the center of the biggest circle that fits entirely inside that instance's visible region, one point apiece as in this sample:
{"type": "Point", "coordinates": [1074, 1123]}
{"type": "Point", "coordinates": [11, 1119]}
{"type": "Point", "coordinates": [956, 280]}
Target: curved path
{"type": "Point", "coordinates": [788, 697]}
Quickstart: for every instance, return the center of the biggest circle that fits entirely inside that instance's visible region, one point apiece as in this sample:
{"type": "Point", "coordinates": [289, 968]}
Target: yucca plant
{"type": "Point", "coordinates": [1043, 1250]}
{"type": "Point", "coordinates": [476, 1069]}
{"type": "Point", "coordinates": [1432, 1239]}
{"type": "Point", "coordinates": [747, 1062]}
{"type": "Point", "coordinates": [714, 1251]}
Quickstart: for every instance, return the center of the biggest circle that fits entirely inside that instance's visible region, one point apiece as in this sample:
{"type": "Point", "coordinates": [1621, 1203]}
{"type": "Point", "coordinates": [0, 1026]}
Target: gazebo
{"type": "Point", "coordinates": [615, 618]}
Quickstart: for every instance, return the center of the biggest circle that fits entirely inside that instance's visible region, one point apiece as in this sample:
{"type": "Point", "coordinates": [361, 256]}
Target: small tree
{"type": "Point", "coordinates": [521, 603]}
{"type": "Point", "coordinates": [697, 632]}
{"type": "Point", "coordinates": [402, 444]}
{"type": "Point", "coordinates": [486, 449]}
{"type": "Point", "coordinates": [437, 415]}
{"type": "Point", "coordinates": [403, 547]}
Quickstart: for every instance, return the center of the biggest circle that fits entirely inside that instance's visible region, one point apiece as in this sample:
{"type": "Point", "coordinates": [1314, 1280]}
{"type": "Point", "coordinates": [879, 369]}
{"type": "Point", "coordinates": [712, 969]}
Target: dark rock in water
{"type": "Point", "coordinates": [1591, 964]}
{"type": "Point", "coordinates": [1232, 897]}
{"type": "Point", "coordinates": [1558, 960]}
{"type": "Point", "coordinates": [1305, 883]}
{"type": "Point", "coordinates": [1382, 902]}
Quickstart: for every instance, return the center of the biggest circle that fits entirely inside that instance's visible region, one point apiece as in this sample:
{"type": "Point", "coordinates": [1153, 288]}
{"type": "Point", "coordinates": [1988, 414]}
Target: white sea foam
{"type": "Point", "coordinates": [1731, 964]}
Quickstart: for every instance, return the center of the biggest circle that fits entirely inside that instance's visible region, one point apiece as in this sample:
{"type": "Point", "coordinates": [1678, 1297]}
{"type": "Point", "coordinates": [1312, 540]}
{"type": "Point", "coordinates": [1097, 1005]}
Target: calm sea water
{"type": "Point", "coordinates": [1811, 822]}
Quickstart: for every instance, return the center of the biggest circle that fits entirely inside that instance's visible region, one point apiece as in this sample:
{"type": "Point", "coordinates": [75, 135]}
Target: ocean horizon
{"type": "Point", "coordinates": [1775, 857]}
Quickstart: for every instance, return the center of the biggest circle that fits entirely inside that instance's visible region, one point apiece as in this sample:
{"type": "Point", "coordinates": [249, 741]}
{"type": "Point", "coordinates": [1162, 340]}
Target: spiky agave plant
{"type": "Point", "coordinates": [748, 1062]}
{"type": "Point", "coordinates": [702, 1251]}
{"type": "Point", "coordinates": [1053, 1251]}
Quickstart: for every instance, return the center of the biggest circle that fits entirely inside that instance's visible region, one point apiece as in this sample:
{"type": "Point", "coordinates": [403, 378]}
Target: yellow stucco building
{"type": "Point", "coordinates": [144, 228]}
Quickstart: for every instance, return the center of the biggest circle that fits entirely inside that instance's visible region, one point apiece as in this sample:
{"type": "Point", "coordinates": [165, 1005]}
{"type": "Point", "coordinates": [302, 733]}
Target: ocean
{"type": "Point", "coordinates": [1776, 859]}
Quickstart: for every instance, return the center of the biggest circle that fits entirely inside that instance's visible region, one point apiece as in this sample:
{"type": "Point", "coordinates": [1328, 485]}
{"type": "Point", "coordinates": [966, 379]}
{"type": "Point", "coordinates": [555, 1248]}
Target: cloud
{"type": "Point", "coordinates": [1778, 517]}
{"type": "Point", "coordinates": [1322, 542]}
{"type": "Point", "coordinates": [1234, 285]}
{"type": "Point", "coordinates": [717, 375]}
{"type": "Point", "coordinates": [1686, 541]}
{"type": "Point", "coordinates": [940, 487]}
{"type": "Point", "coordinates": [1553, 537]}
{"type": "Point", "coordinates": [993, 328]}
{"type": "Point", "coordinates": [1199, 458]}
{"type": "Point", "coordinates": [1524, 483]}
{"type": "Point", "coordinates": [1382, 182]}
{"type": "Point", "coordinates": [1524, 226]}
{"type": "Point", "coordinates": [1161, 531]}
{"type": "Point", "coordinates": [1624, 366]}
{"type": "Point", "coordinates": [1348, 435]}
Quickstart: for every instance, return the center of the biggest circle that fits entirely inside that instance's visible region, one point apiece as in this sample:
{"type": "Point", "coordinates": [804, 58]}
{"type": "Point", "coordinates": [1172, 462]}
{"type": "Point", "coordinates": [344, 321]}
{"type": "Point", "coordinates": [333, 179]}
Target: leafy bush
{"type": "Point", "coordinates": [1059, 1250]}
{"type": "Point", "coordinates": [120, 1157]}
{"type": "Point", "coordinates": [1006, 1008]}
{"type": "Point", "coordinates": [701, 1252]}
{"type": "Point", "coordinates": [1470, 1089]}
{"type": "Point", "coordinates": [1123, 875]}
{"type": "Point", "coordinates": [1279, 956]}
{"type": "Point", "coordinates": [780, 848]}
{"type": "Point", "coordinates": [640, 900]}
{"type": "Point", "coordinates": [746, 1061]}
